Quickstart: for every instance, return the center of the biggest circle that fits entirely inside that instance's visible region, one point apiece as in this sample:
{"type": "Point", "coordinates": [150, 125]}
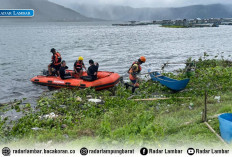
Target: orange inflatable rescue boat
{"type": "Point", "coordinates": [105, 80]}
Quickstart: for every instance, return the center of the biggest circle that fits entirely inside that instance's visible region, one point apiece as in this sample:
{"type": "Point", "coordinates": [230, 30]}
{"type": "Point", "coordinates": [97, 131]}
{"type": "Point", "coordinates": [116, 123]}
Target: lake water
{"type": "Point", "coordinates": [25, 49]}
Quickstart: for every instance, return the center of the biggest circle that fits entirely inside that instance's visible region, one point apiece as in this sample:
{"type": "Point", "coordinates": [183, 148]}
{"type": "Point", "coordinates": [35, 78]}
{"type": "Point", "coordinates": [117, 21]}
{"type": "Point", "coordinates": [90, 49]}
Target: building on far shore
{"type": "Point", "coordinates": [182, 23]}
{"type": "Point", "coordinates": [197, 22]}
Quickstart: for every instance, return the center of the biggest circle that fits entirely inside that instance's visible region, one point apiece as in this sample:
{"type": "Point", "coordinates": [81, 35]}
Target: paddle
{"type": "Point", "coordinates": [144, 73]}
{"type": "Point", "coordinates": [149, 72]}
{"type": "Point", "coordinates": [175, 63]}
{"type": "Point", "coordinates": [153, 99]}
{"type": "Point", "coordinates": [187, 64]}
{"type": "Point", "coordinates": [179, 63]}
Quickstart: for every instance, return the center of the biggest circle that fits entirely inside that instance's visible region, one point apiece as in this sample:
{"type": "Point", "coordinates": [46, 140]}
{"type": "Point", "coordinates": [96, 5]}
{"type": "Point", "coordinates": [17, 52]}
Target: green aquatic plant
{"type": "Point", "coordinates": [67, 114]}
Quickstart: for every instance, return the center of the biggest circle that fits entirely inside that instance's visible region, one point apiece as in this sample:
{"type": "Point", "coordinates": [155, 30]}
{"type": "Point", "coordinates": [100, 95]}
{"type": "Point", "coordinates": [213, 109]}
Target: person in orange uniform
{"type": "Point", "coordinates": [134, 70]}
{"type": "Point", "coordinates": [56, 62]}
{"type": "Point", "coordinates": [78, 66]}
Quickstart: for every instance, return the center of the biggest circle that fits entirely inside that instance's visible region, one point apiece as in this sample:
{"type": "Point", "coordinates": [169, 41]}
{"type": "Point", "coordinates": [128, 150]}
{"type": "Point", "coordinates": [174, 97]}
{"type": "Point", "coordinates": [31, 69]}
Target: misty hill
{"type": "Point", "coordinates": [44, 11]}
{"type": "Point", "coordinates": [109, 12]}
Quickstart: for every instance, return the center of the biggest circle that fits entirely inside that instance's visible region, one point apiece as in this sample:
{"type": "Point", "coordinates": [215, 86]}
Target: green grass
{"type": "Point", "coordinates": [119, 121]}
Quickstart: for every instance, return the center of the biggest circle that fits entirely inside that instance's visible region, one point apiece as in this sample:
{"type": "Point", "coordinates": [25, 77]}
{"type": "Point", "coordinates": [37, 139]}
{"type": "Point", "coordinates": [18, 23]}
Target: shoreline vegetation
{"type": "Point", "coordinates": [68, 116]}
{"type": "Point", "coordinates": [173, 26]}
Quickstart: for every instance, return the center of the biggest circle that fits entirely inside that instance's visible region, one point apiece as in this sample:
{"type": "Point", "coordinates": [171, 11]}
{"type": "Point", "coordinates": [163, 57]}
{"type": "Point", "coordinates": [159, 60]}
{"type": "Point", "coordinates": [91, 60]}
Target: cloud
{"type": "Point", "coordinates": [143, 3]}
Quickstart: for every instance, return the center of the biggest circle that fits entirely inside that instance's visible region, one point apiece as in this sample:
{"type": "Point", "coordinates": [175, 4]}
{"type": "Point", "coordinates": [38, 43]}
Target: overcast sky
{"type": "Point", "coordinates": [144, 3]}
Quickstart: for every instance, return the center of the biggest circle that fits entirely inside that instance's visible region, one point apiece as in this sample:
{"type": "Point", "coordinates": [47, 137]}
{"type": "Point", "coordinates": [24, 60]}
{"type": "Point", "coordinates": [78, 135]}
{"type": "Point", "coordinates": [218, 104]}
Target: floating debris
{"type": "Point", "coordinates": [157, 108]}
{"type": "Point", "coordinates": [78, 98]}
{"type": "Point", "coordinates": [66, 136]}
{"type": "Point", "coordinates": [89, 96]}
{"type": "Point", "coordinates": [49, 142]}
{"type": "Point", "coordinates": [63, 106]}
{"type": "Point", "coordinates": [63, 126]}
{"type": "Point", "coordinates": [191, 106]}
{"type": "Point", "coordinates": [95, 100]}
{"type": "Point", "coordinates": [2, 117]}
{"type": "Point", "coordinates": [49, 116]}
{"type": "Point", "coordinates": [218, 98]}
{"type": "Point", "coordinates": [36, 128]}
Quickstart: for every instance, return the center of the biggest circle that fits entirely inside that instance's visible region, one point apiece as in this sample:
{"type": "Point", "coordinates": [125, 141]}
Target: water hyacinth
{"type": "Point", "coordinates": [71, 115]}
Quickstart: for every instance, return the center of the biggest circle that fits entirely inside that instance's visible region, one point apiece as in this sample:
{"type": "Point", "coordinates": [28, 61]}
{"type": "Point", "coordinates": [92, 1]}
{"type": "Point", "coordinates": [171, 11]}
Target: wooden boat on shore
{"type": "Point", "coordinates": [175, 85]}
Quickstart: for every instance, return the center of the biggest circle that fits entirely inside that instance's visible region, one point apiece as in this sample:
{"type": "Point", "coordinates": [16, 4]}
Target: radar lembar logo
{"type": "Point", "coordinates": [6, 151]}
{"type": "Point", "coordinates": [16, 12]}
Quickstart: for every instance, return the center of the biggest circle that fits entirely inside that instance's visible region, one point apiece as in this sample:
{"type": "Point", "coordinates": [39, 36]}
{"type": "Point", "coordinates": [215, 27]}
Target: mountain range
{"type": "Point", "coordinates": [44, 10]}
{"type": "Point", "coordinates": [125, 13]}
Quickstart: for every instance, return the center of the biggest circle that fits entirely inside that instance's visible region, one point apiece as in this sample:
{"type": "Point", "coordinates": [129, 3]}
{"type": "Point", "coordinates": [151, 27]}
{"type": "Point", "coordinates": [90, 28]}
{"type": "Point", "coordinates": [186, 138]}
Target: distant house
{"type": "Point", "coordinates": [185, 23]}
{"type": "Point", "coordinates": [227, 20]}
{"type": "Point", "coordinates": [132, 22]}
{"type": "Point", "coordinates": [226, 23]}
{"type": "Point", "coordinates": [158, 22]}
{"type": "Point", "coordinates": [179, 23]}
{"type": "Point", "coordinates": [198, 21]}
{"type": "Point", "coordinates": [215, 20]}
{"type": "Point", "coordinates": [167, 22]}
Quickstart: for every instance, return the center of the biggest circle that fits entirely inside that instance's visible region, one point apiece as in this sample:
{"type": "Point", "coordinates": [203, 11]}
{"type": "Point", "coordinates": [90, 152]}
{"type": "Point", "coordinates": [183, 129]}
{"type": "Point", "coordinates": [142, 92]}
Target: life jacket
{"type": "Point", "coordinates": [131, 77]}
{"type": "Point", "coordinates": [139, 67]}
{"type": "Point", "coordinates": [78, 65]}
{"type": "Point", "coordinates": [56, 58]}
{"type": "Point", "coordinates": [132, 74]}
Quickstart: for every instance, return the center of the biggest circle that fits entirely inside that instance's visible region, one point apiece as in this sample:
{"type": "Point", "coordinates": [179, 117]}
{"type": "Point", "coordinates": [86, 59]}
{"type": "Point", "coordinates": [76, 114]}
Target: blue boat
{"type": "Point", "coordinates": [175, 85]}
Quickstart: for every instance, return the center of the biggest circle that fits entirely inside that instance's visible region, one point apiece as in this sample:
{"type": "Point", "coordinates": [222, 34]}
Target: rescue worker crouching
{"type": "Point", "coordinates": [56, 62]}
{"type": "Point", "coordinates": [133, 75]}
{"type": "Point", "coordinates": [78, 66]}
{"type": "Point", "coordinates": [134, 70]}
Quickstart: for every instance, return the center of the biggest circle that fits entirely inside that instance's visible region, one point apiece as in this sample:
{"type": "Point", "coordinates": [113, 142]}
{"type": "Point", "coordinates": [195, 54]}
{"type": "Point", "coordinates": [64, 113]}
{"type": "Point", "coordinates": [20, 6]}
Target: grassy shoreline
{"type": "Point", "coordinates": [118, 120]}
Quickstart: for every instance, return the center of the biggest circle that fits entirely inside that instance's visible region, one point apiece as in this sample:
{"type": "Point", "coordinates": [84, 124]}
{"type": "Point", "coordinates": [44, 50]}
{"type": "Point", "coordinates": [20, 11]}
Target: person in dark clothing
{"type": "Point", "coordinates": [92, 71]}
{"type": "Point", "coordinates": [63, 73]}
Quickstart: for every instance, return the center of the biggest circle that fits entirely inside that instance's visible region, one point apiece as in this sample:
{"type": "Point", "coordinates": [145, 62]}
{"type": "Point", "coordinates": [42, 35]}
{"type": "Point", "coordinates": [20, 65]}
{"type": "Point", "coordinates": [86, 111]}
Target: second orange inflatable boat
{"type": "Point", "coordinates": [105, 80]}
